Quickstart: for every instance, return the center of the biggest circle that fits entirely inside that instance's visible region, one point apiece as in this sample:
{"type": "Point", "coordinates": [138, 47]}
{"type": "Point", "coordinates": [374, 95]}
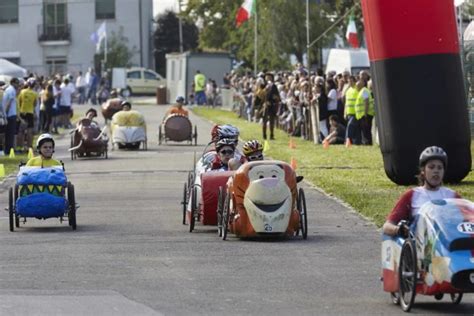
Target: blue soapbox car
{"type": "Point", "coordinates": [41, 193]}
{"type": "Point", "coordinates": [434, 257]}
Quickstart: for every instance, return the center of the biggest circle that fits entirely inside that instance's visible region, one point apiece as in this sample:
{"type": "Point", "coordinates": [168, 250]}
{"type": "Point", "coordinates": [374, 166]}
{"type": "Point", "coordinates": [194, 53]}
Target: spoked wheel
{"type": "Point", "coordinates": [160, 135]}
{"type": "Point", "coordinates": [456, 298]}
{"type": "Point", "coordinates": [192, 218]}
{"type": "Point", "coordinates": [71, 215]}
{"type": "Point", "coordinates": [185, 202]}
{"type": "Point", "coordinates": [106, 152]}
{"type": "Point", "coordinates": [407, 275]}
{"type": "Point", "coordinates": [15, 198]}
{"type": "Point", "coordinates": [220, 206]}
{"type": "Point", "coordinates": [395, 298]}
{"type": "Point", "coordinates": [11, 211]}
{"type": "Point", "coordinates": [303, 213]}
{"type": "Point", "coordinates": [225, 216]}
{"type": "Point", "coordinates": [195, 136]}
{"type": "Point", "coordinates": [72, 145]}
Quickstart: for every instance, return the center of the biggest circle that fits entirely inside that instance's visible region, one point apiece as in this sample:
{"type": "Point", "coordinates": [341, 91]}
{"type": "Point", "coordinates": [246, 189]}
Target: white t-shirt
{"type": "Point", "coordinates": [66, 94]}
{"type": "Point", "coordinates": [422, 195]}
{"type": "Point", "coordinates": [332, 100]}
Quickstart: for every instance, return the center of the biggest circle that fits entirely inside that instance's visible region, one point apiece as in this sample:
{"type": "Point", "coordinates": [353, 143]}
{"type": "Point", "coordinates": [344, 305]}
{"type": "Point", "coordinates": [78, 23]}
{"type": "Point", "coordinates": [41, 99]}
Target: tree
{"type": "Point", "coordinates": [166, 38]}
{"type": "Point", "coordinates": [119, 54]}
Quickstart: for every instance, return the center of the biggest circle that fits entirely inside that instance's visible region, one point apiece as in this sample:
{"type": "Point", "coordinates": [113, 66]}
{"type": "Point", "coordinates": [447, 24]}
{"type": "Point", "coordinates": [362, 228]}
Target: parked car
{"type": "Point", "coordinates": [353, 60]}
{"type": "Point", "coordinates": [142, 81]}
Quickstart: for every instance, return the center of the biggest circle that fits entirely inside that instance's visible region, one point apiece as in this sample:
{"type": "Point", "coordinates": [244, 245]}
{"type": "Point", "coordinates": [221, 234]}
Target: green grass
{"type": "Point", "coordinates": [11, 164]}
{"type": "Point", "coordinates": [354, 175]}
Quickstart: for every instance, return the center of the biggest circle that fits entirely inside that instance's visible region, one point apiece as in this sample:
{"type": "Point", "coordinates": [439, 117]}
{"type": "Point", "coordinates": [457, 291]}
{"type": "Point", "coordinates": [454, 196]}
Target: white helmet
{"type": "Point", "coordinates": [42, 138]}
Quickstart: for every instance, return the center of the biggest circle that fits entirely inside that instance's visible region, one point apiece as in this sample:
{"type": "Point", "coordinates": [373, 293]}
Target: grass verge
{"type": "Point", "coordinates": [354, 175]}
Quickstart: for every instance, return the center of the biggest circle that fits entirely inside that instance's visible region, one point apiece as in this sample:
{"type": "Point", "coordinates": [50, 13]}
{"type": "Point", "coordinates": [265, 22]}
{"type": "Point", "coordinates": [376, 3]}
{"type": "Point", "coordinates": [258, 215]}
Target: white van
{"type": "Point", "coordinates": [353, 60]}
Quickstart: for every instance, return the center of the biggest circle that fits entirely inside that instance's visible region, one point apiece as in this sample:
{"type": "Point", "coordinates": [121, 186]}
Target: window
{"type": "Point", "coordinates": [104, 9]}
{"type": "Point", "coordinates": [56, 64]}
{"type": "Point", "coordinates": [133, 75]}
{"type": "Point", "coordinates": [151, 76]}
{"type": "Point", "coordinates": [9, 11]}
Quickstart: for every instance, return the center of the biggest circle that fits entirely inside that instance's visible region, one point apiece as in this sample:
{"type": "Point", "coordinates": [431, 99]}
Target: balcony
{"type": "Point", "coordinates": [56, 34]}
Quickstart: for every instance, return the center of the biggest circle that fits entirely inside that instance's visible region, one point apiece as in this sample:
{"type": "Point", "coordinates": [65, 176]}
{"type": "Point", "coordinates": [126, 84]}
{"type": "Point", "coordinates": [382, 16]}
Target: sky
{"type": "Point", "coordinates": [161, 5]}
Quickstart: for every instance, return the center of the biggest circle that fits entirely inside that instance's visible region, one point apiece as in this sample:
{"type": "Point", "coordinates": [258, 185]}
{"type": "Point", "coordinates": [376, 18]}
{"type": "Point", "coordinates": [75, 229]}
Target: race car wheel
{"type": "Point", "coordinates": [225, 216]}
{"type": "Point", "coordinates": [11, 212]}
{"type": "Point", "coordinates": [220, 206]}
{"type": "Point", "coordinates": [395, 298]}
{"type": "Point", "coordinates": [303, 213]}
{"type": "Point", "coordinates": [71, 215]}
{"type": "Point", "coordinates": [185, 202]}
{"type": "Point", "coordinates": [159, 135]}
{"type": "Point", "coordinates": [15, 195]}
{"type": "Point", "coordinates": [456, 298]}
{"type": "Point", "coordinates": [192, 218]}
{"type": "Point", "coordinates": [195, 136]}
{"type": "Point", "coordinates": [407, 275]}
{"type": "Point", "coordinates": [106, 153]}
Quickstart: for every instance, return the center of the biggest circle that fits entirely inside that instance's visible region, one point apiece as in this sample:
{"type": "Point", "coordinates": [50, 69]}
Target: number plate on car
{"type": "Point", "coordinates": [466, 228]}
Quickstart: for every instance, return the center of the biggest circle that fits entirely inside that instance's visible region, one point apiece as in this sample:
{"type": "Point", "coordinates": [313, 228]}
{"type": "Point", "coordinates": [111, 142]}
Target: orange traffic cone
{"type": "Point", "coordinates": [292, 144]}
{"type": "Point", "coordinates": [325, 144]}
{"type": "Point", "coordinates": [348, 142]}
{"type": "Point", "coordinates": [293, 163]}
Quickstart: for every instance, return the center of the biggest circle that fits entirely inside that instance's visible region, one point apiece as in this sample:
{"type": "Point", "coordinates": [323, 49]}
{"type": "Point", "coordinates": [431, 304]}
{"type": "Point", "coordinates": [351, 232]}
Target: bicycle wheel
{"type": "Point", "coordinates": [407, 275]}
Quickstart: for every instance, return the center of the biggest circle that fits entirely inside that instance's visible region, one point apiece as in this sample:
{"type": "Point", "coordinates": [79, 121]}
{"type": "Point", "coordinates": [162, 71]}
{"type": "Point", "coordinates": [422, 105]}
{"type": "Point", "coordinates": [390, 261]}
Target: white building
{"type": "Point", "coordinates": [49, 36]}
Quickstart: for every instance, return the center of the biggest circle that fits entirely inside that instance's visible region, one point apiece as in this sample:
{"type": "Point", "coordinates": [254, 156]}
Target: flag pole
{"type": "Point", "coordinates": [105, 47]}
{"type": "Point", "coordinates": [255, 57]}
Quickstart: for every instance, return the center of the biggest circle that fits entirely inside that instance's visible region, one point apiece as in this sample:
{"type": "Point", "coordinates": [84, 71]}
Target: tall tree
{"type": "Point", "coordinates": [166, 38]}
{"type": "Point", "coordinates": [119, 54]}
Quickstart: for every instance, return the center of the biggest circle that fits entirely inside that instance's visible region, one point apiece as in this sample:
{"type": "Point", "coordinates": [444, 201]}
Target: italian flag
{"type": "Point", "coordinates": [245, 12]}
{"type": "Point", "coordinates": [351, 34]}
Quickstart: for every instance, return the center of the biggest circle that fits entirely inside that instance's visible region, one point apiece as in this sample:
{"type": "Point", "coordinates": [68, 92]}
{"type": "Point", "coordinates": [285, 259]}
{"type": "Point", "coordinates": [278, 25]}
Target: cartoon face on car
{"type": "Point", "coordinates": [268, 198]}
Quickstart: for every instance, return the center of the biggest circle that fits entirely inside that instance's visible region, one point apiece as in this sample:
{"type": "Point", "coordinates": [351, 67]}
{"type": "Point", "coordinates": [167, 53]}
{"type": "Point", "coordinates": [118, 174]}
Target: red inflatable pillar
{"type": "Point", "coordinates": [418, 84]}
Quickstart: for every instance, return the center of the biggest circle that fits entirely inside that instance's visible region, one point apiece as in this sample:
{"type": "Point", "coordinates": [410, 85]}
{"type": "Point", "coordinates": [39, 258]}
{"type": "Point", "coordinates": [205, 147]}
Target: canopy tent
{"type": "Point", "coordinates": [10, 69]}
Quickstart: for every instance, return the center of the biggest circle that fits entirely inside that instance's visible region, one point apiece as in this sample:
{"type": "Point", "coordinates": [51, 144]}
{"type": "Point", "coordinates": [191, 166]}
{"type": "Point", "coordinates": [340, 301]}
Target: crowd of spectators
{"type": "Point", "coordinates": [39, 104]}
{"type": "Point", "coordinates": [341, 104]}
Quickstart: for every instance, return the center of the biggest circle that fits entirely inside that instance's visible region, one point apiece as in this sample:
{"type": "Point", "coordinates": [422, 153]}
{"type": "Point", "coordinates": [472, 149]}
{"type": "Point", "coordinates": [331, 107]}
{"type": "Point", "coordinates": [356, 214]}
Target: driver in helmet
{"type": "Point", "coordinates": [225, 151]}
{"type": "Point", "coordinates": [177, 108]}
{"type": "Point", "coordinates": [126, 106]}
{"type": "Point", "coordinates": [253, 151]}
{"type": "Point", "coordinates": [432, 167]}
{"type": "Point", "coordinates": [45, 148]}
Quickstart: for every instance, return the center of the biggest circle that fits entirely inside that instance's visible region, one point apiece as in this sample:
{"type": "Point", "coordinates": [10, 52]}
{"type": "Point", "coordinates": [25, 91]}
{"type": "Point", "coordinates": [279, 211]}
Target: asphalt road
{"type": "Point", "coordinates": [132, 256]}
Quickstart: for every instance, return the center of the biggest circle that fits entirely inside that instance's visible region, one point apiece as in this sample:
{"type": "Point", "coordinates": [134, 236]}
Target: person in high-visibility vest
{"type": "Point", "coordinates": [199, 88]}
{"type": "Point", "coordinates": [350, 97]}
{"type": "Point", "coordinates": [364, 111]}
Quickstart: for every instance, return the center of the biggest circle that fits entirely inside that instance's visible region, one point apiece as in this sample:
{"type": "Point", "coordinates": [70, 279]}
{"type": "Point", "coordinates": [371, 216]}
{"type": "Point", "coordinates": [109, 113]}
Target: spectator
{"type": "Point", "coordinates": [270, 109]}
{"type": "Point", "coordinates": [353, 128]}
{"type": "Point", "coordinates": [199, 88]}
{"type": "Point", "coordinates": [81, 86]}
{"type": "Point", "coordinates": [48, 102]}
{"type": "Point", "coordinates": [9, 105]}
{"type": "Point", "coordinates": [27, 104]}
{"type": "Point", "coordinates": [337, 131]}
{"type": "Point", "coordinates": [364, 109]}
{"type": "Point", "coordinates": [65, 105]}
{"type": "Point", "coordinates": [92, 86]}
{"type": "Point", "coordinates": [322, 100]}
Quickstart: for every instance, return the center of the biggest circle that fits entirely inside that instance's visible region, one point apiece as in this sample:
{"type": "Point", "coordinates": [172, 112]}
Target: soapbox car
{"type": "Point", "coordinates": [110, 107]}
{"type": "Point", "coordinates": [88, 140]}
{"type": "Point", "coordinates": [129, 130]}
{"type": "Point", "coordinates": [434, 257]}
{"type": "Point", "coordinates": [41, 193]}
{"type": "Point", "coordinates": [262, 199]}
{"type": "Point", "coordinates": [177, 128]}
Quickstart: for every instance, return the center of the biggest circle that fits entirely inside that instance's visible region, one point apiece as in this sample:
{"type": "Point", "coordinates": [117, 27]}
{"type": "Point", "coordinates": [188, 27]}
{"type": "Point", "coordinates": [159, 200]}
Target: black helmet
{"type": "Point", "coordinates": [125, 103]}
{"type": "Point", "coordinates": [431, 153]}
{"type": "Point", "coordinates": [225, 142]}
{"type": "Point", "coordinates": [93, 111]}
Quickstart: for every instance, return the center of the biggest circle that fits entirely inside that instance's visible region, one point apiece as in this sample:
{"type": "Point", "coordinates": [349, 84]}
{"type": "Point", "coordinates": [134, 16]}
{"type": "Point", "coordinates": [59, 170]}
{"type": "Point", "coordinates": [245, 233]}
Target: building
{"type": "Point", "coordinates": [181, 68]}
{"type": "Point", "coordinates": [50, 36]}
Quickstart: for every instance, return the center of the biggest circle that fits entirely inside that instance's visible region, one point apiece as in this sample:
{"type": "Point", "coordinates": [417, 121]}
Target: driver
{"type": "Point", "coordinates": [177, 108]}
{"type": "Point", "coordinates": [433, 162]}
{"type": "Point", "coordinates": [253, 151]}
{"type": "Point", "coordinates": [45, 147]}
{"type": "Point", "coordinates": [126, 106]}
{"type": "Point", "coordinates": [225, 150]}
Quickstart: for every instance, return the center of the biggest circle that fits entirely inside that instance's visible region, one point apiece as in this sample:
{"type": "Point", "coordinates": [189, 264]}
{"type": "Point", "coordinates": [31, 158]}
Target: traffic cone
{"type": "Point", "coordinates": [348, 142]}
{"type": "Point", "coordinates": [30, 153]}
{"type": "Point", "coordinates": [12, 153]}
{"type": "Point", "coordinates": [325, 144]}
{"type": "Point", "coordinates": [292, 144]}
{"type": "Point", "coordinates": [266, 146]}
{"type": "Point", "coordinates": [2, 170]}
{"type": "Point", "coordinates": [293, 163]}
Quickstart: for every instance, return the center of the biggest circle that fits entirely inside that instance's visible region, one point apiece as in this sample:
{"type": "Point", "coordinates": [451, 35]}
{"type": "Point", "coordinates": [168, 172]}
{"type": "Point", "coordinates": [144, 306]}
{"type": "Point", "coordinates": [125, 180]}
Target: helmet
{"type": "Point", "coordinates": [228, 131]}
{"type": "Point", "coordinates": [225, 142]}
{"type": "Point", "coordinates": [180, 99]}
{"type": "Point", "coordinates": [43, 138]}
{"type": "Point", "coordinates": [431, 153]}
{"type": "Point", "coordinates": [93, 111]}
{"type": "Point", "coordinates": [251, 147]}
{"type": "Point", "coordinates": [125, 103]}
